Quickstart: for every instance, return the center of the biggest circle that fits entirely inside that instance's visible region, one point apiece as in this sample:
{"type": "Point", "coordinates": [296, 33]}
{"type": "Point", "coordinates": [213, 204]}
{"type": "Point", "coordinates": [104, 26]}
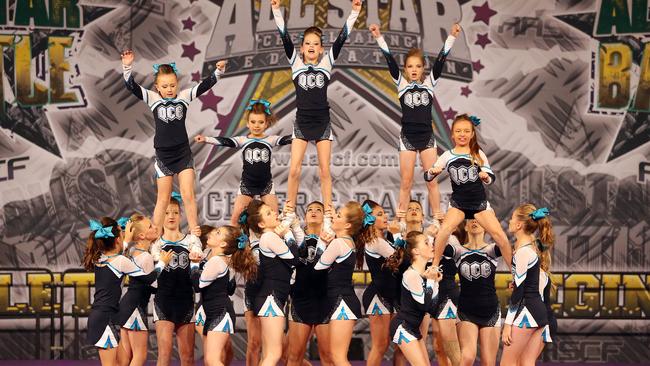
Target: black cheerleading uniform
{"type": "Point", "coordinates": [310, 287]}
{"type": "Point", "coordinates": [468, 193]}
{"type": "Point", "coordinates": [526, 308]}
{"type": "Point", "coordinates": [477, 302]}
{"type": "Point", "coordinates": [277, 258]}
{"type": "Point", "coordinates": [174, 300]}
{"type": "Point", "coordinates": [550, 331]}
{"type": "Point", "coordinates": [103, 323]}
{"type": "Point", "coordinates": [199, 315]}
{"type": "Point", "coordinates": [342, 301]}
{"type": "Point", "coordinates": [171, 143]}
{"type": "Point", "coordinates": [134, 303]}
{"type": "Point", "coordinates": [416, 100]}
{"type": "Point", "coordinates": [379, 296]}
{"type": "Point", "coordinates": [417, 298]}
{"type": "Point", "coordinates": [213, 282]}
{"type": "Point", "coordinates": [311, 82]}
{"type": "Point", "coordinates": [448, 292]}
{"type": "Point", "coordinates": [256, 178]}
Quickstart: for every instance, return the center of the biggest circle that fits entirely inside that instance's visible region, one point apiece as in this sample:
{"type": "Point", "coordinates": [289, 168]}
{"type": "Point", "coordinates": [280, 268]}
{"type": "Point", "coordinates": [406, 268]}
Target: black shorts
{"type": "Point", "coordinates": [252, 191]}
{"type": "Point", "coordinates": [309, 310]}
{"type": "Point", "coordinates": [413, 143]}
{"type": "Point", "coordinates": [470, 210]}
{"type": "Point", "coordinates": [168, 163]}
{"type": "Point", "coordinates": [312, 130]}
{"type": "Point", "coordinates": [176, 309]}
{"type": "Point", "coordinates": [493, 320]}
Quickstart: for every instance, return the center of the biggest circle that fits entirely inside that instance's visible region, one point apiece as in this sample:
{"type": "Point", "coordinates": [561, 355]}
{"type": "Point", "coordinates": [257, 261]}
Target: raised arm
{"type": "Point", "coordinates": [146, 95]}
{"type": "Point", "coordinates": [218, 140]}
{"type": "Point", "coordinates": [393, 68]}
{"type": "Point", "coordinates": [206, 84]}
{"type": "Point", "coordinates": [289, 48]}
{"type": "Point", "coordinates": [436, 69]}
{"type": "Point", "coordinates": [286, 249]}
{"type": "Point", "coordinates": [345, 32]}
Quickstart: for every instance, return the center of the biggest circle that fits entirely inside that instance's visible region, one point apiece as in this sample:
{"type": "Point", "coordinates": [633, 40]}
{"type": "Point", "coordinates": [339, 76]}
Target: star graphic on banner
{"type": "Point", "coordinates": [477, 66]}
{"type": "Point", "coordinates": [188, 23]}
{"type": "Point", "coordinates": [483, 13]}
{"type": "Point", "coordinates": [196, 76]}
{"type": "Point", "coordinates": [450, 114]}
{"type": "Point", "coordinates": [190, 51]}
{"type": "Point", "coordinates": [482, 40]}
{"type": "Point", "coordinates": [631, 133]}
{"type": "Point", "coordinates": [210, 101]}
{"type": "Point", "coordinates": [465, 91]}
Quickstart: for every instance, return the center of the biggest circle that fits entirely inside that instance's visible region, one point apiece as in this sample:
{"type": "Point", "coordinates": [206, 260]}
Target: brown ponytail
{"type": "Point", "coordinates": [253, 217]}
{"type": "Point", "coordinates": [360, 234]}
{"type": "Point", "coordinates": [544, 228]}
{"type": "Point", "coordinates": [96, 246]}
{"type": "Point", "coordinates": [395, 261]}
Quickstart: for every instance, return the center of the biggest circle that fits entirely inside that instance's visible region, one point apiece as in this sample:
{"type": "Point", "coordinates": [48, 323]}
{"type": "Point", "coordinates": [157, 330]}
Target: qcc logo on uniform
{"type": "Point", "coordinates": [417, 98]}
{"type": "Point", "coordinates": [179, 260]}
{"type": "Point", "coordinates": [311, 80]}
{"type": "Point", "coordinates": [170, 113]}
{"type": "Point", "coordinates": [475, 270]}
{"type": "Point", "coordinates": [463, 174]}
{"type": "Point", "coordinates": [257, 155]}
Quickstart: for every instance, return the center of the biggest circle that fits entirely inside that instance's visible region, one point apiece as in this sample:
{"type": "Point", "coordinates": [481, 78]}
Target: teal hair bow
{"type": "Point", "coordinates": [539, 214]}
{"type": "Point", "coordinates": [264, 102]}
{"type": "Point", "coordinates": [101, 232]}
{"type": "Point", "coordinates": [368, 218]}
{"type": "Point", "coordinates": [156, 67]}
{"type": "Point", "coordinates": [242, 240]}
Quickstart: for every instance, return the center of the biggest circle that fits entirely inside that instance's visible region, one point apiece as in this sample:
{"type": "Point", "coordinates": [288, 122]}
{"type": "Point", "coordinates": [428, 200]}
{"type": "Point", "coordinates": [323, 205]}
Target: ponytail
{"type": "Point", "coordinates": [102, 238]}
{"type": "Point", "coordinates": [537, 221]}
{"type": "Point", "coordinates": [403, 251]}
{"type": "Point", "coordinates": [361, 230]}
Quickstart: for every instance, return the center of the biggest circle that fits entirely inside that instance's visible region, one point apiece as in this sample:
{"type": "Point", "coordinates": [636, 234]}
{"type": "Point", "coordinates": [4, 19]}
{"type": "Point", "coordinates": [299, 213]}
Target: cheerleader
{"type": "Point", "coordinates": [469, 170]}
{"type": "Point", "coordinates": [174, 299]}
{"type": "Point", "coordinates": [415, 92]}
{"type": "Point", "coordinates": [379, 297]}
{"type": "Point", "coordinates": [309, 313]}
{"type": "Point", "coordinates": [199, 315]}
{"type": "Point", "coordinates": [352, 226]}
{"type": "Point", "coordinates": [256, 178]}
{"type": "Point", "coordinates": [278, 255]}
{"type": "Point", "coordinates": [311, 73]}
{"type": "Point", "coordinates": [478, 306]}
{"type": "Point", "coordinates": [228, 250]}
{"type": "Point", "coordinates": [139, 233]}
{"type": "Point", "coordinates": [102, 256]}
{"type": "Point", "coordinates": [417, 297]}
{"type": "Point", "coordinates": [173, 153]}
{"type": "Point", "coordinates": [527, 314]}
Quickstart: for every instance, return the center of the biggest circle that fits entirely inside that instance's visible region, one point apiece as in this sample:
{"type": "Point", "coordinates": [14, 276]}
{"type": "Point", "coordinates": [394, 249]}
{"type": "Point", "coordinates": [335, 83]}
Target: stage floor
{"type": "Point", "coordinates": [242, 363]}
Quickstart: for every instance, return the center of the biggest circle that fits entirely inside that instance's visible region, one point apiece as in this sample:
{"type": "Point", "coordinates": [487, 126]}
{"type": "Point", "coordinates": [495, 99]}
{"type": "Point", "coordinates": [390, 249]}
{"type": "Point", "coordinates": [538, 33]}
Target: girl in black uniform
{"type": "Point", "coordinates": [352, 225]}
{"type": "Point", "coordinates": [173, 154]}
{"type": "Point", "coordinates": [311, 78]}
{"type": "Point", "coordinates": [228, 250]}
{"type": "Point", "coordinates": [417, 296]}
{"type": "Point", "coordinates": [478, 306]}
{"type": "Point", "coordinates": [415, 92]}
{"type": "Point", "coordinates": [102, 256]}
{"type": "Point", "coordinates": [278, 254]}
{"type": "Point", "coordinates": [308, 310]}
{"type": "Point", "coordinates": [251, 289]}
{"type": "Point", "coordinates": [256, 178]}
{"type": "Point", "coordinates": [527, 314]}
{"type": "Point", "coordinates": [174, 299]}
{"type": "Point", "coordinates": [468, 169]}
{"type": "Point", "coordinates": [379, 297]}
{"type": "Point", "coordinates": [139, 233]}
